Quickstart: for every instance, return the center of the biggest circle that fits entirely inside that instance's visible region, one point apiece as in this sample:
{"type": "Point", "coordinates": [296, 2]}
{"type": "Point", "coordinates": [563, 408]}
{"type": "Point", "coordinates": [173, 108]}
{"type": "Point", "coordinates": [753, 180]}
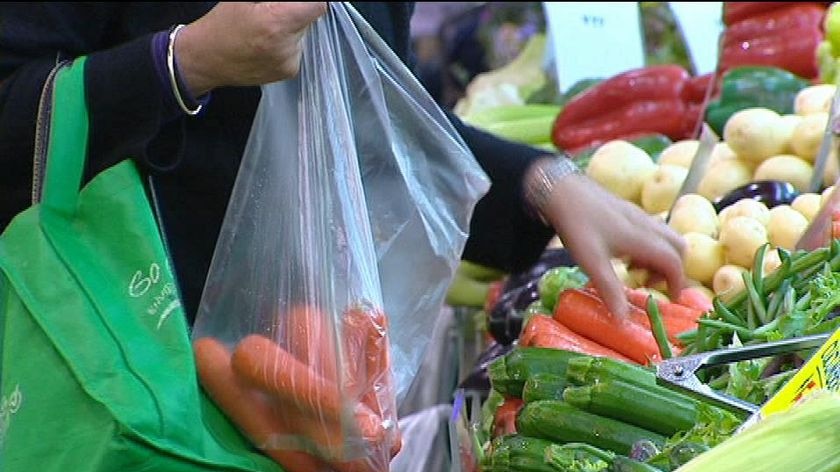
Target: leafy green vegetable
{"type": "Point", "coordinates": [714, 426]}
{"type": "Point", "coordinates": [557, 279]}
{"type": "Point", "coordinates": [578, 457]}
{"type": "Point", "coordinates": [825, 295]}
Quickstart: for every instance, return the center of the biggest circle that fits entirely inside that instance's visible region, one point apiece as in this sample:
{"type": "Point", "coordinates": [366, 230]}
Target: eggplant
{"type": "Point", "coordinates": [770, 192]}
{"type": "Point", "coordinates": [504, 322]}
{"type": "Point", "coordinates": [478, 378]}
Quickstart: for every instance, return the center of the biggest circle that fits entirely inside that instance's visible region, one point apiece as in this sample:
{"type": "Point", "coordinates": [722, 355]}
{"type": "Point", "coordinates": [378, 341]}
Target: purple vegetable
{"type": "Point", "coordinates": [769, 192]}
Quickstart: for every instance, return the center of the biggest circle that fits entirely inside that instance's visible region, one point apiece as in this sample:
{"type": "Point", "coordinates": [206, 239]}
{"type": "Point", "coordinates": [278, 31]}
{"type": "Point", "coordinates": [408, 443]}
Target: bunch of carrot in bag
{"type": "Point", "coordinates": [315, 394]}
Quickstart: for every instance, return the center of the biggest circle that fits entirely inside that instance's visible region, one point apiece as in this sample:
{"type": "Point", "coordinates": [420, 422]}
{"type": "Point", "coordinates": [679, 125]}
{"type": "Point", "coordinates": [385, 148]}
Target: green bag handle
{"type": "Point", "coordinates": [67, 145]}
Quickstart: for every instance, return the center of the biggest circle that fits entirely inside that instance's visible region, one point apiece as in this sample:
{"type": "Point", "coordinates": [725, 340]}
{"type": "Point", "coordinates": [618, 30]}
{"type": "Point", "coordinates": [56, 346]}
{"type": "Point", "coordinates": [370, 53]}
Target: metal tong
{"type": "Point", "coordinates": [680, 373]}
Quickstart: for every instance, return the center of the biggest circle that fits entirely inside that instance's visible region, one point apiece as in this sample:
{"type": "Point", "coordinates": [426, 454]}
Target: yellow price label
{"type": "Point", "coordinates": [822, 371]}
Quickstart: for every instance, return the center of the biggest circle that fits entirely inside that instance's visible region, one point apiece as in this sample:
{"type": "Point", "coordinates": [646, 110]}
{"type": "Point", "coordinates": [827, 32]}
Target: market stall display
{"type": "Point", "coordinates": [568, 395]}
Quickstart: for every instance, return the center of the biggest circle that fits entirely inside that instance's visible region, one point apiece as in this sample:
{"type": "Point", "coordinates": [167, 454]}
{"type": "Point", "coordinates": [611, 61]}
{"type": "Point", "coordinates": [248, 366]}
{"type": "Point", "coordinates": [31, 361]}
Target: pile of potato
{"type": "Point", "coordinates": [758, 144]}
{"type": "Point", "coordinates": [720, 246]}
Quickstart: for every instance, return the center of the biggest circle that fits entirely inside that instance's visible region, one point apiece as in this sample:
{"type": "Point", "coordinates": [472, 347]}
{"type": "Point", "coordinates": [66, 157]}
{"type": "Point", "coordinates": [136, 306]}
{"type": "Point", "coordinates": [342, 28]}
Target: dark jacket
{"type": "Point", "coordinates": [194, 160]}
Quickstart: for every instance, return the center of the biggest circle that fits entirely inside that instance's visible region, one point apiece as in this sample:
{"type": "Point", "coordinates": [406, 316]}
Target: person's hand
{"type": "Point", "coordinates": [596, 226]}
{"type": "Point", "coordinates": [244, 43]}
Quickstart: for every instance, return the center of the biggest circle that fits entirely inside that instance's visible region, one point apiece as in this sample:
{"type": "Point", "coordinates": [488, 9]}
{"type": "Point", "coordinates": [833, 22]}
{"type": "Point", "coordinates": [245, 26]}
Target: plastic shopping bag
{"type": "Point", "coordinates": [344, 229]}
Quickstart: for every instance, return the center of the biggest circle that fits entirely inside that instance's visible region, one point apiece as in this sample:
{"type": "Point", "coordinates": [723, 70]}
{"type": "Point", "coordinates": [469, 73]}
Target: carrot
{"type": "Point", "coordinates": [504, 420]}
{"type": "Point", "coordinates": [548, 332]}
{"type": "Point", "coordinates": [378, 391]}
{"type": "Point", "coordinates": [309, 337]}
{"type": "Point", "coordinates": [248, 411]}
{"type": "Point", "coordinates": [676, 318]}
{"type": "Point", "coordinates": [694, 298]}
{"type": "Point", "coordinates": [263, 364]}
{"type": "Point", "coordinates": [587, 315]}
{"type": "Point", "coordinates": [638, 298]}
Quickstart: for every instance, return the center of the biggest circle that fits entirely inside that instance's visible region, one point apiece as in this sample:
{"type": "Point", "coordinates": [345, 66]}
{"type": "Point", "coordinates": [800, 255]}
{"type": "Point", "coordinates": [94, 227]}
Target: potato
{"type": "Point", "coordinates": [787, 125]}
{"type": "Point", "coordinates": [694, 213]}
{"type": "Point", "coordinates": [746, 207]}
{"type": "Point", "coordinates": [621, 168]}
{"type": "Point", "coordinates": [741, 237]}
{"type": "Point", "coordinates": [661, 188]}
{"type": "Point", "coordinates": [703, 257]}
{"type": "Point", "coordinates": [721, 152]}
{"type": "Point", "coordinates": [807, 136]}
{"type": "Point", "coordinates": [728, 281]}
{"type": "Point", "coordinates": [620, 269]}
{"type": "Point", "coordinates": [808, 204]}
{"type": "Point", "coordinates": [788, 168]}
{"type": "Point", "coordinates": [772, 261]}
{"type": "Point", "coordinates": [814, 99]}
{"type": "Point", "coordinates": [755, 134]}
{"type": "Point", "coordinates": [785, 227]}
{"type": "Point", "coordinates": [723, 177]}
{"type": "Point", "coordinates": [680, 153]}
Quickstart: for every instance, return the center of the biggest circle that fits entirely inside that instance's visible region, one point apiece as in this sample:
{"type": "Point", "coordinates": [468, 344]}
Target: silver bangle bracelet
{"type": "Point", "coordinates": [170, 64]}
{"type": "Point", "coordinates": [539, 189]}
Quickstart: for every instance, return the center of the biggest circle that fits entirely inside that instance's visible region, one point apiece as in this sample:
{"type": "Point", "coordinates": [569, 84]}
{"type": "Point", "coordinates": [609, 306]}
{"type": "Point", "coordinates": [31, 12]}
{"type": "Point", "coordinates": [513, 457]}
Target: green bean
{"type": "Point", "coordinates": [751, 322]}
{"type": "Point", "coordinates": [776, 299]}
{"type": "Point", "coordinates": [688, 336]}
{"type": "Point", "coordinates": [758, 269]}
{"type": "Point", "coordinates": [742, 332]}
{"type": "Point", "coordinates": [755, 298]}
{"type": "Point", "coordinates": [700, 340]}
{"type": "Point", "coordinates": [725, 314]}
{"type": "Point", "coordinates": [802, 303]}
{"type": "Point", "coordinates": [766, 328]}
{"type": "Point", "coordinates": [834, 248]}
{"type": "Point", "coordinates": [658, 329]}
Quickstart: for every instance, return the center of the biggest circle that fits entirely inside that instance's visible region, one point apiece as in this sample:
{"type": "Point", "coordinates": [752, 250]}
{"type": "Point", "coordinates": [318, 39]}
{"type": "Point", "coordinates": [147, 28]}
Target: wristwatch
{"type": "Point", "coordinates": [546, 174]}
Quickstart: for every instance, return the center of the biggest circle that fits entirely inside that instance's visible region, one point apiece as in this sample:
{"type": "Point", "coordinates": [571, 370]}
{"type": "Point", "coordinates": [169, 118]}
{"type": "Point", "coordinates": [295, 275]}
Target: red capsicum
{"type": "Point", "coordinates": [734, 12]}
{"type": "Point", "coordinates": [804, 15]}
{"type": "Point", "coordinates": [777, 34]}
{"type": "Point", "coordinates": [654, 99]}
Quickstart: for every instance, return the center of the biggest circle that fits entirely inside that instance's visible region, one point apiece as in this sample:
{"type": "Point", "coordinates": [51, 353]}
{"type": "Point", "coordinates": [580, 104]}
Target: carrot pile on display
{"type": "Point", "coordinates": [581, 322]}
{"type": "Point", "coordinates": [307, 401]}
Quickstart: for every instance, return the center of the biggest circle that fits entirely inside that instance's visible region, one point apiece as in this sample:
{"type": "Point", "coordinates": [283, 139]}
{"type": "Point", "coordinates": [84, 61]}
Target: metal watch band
{"type": "Point", "coordinates": [547, 173]}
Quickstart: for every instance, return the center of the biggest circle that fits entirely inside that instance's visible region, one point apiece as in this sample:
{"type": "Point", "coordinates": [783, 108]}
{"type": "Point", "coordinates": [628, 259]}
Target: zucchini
{"type": "Point", "coordinates": [651, 407]}
{"type": "Point", "coordinates": [543, 386]}
{"type": "Point", "coordinates": [508, 373]}
{"type": "Point", "coordinates": [578, 457]}
{"type": "Point", "coordinates": [561, 422]}
{"type": "Point", "coordinates": [517, 452]}
{"type": "Point", "coordinates": [626, 464]}
{"type": "Point", "coordinates": [591, 370]}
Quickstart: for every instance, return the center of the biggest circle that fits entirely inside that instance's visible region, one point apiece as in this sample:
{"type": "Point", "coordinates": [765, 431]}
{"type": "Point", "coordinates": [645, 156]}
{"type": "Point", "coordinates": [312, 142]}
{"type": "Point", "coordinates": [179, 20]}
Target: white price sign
{"type": "Point", "coordinates": [593, 40]}
{"type": "Point", "coordinates": [701, 24]}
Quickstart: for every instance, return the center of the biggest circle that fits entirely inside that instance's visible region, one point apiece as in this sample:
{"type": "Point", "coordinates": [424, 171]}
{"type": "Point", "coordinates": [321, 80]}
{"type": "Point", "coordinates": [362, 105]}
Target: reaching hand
{"type": "Point", "coordinates": [596, 226]}
{"type": "Point", "coordinates": [244, 43]}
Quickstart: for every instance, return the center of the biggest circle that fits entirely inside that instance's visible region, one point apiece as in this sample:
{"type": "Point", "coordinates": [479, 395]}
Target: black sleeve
{"type": "Point", "coordinates": [125, 99]}
{"type": "Point", "coordinates": [502, 233]}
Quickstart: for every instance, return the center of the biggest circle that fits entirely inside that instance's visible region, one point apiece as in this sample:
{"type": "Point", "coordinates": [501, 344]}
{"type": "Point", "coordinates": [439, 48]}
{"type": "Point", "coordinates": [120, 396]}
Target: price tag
{"type": "Point", "coordinates": [593, 40]}
{"type": "Point", "coordinates": [700, 24]}
{"type": "Point", "coordinates": [822, 371]}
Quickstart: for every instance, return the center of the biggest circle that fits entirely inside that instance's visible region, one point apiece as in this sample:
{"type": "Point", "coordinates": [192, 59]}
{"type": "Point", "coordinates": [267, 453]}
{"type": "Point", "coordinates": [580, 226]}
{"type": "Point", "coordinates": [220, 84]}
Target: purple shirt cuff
{"type": "Point", "coordinates": [160, 44]}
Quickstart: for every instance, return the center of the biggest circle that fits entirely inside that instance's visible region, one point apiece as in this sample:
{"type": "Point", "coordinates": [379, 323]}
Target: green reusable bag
{"type": "Point", "coordinates": [97, 369]}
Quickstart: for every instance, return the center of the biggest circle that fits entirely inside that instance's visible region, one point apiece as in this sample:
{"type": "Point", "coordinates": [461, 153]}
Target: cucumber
{"type": "Point", "coordinates": [517, 452]}
{"type": "Point", "coordinates": [508, 373]}
{"type": "Point", "coordinates": [651, 407]}
{"type": "Point", "coordinates": [591, 370]}
{"type": "Point", "coordinates": [558, 421]}
{"type": "Point", "coordinates": [543, 386]}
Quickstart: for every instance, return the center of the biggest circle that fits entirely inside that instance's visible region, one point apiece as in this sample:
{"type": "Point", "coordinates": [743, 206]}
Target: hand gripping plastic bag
{"type": "Point", "coordinates": [346, 223]}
